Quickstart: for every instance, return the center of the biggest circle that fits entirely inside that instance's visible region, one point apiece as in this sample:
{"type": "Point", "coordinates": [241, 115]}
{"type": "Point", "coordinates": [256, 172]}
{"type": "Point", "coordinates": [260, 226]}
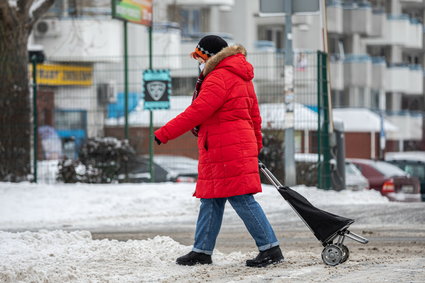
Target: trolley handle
{"type": "Point", "coordinates": [275, 182]}
{"type": "Point", "coordinates": [356, 237]}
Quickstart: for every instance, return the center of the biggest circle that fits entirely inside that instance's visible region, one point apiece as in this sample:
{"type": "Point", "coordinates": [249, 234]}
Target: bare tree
{"type": "Point", "coordinates": [17, 18]}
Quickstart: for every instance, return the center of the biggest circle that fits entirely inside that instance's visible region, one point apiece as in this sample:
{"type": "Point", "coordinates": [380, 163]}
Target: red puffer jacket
{"type": "Point", "coordinates": [229, 138]}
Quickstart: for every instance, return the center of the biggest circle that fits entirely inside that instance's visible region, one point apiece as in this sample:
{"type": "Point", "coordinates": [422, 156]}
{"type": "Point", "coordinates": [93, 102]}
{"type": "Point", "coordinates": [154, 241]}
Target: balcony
{"type": "Point", "coordinates": [415, 80]}
{"type": "Point", "coordinates": [406, 79]}
{"type": "Point", "coordinates": [379, 68]}
{"type": "Point", "coordinates": [397, 30]}
{"type": "Point", "coordinates": [81, 40]}
{"type": "Point", "coordinates": [408, 123]}
{"type": "Point", "coordinates": [416, 3]}
{"type": "Point", "coordinates": [358, 70]}
{"type": "Point", "coordinates": [337, 74]}
{"type": "Point", "coordinates": [379, 20]}
{"type": "Point", "coordinates": [334, 13]}
{"type": "Point", "coordinates": [357, 18]}
{"type": "Point", "coordinates": [415, 35]}
{"type": "Point", "coordinates": [397, 78]}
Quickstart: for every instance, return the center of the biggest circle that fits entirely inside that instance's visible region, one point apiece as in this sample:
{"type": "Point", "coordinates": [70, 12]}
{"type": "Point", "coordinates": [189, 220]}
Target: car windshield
{"type": "Point", "coordinates": [389, 169]}
{"type": "Point", "coordinates": [417, 170]}
{"type": "Point", "coordinates": [351, 169]}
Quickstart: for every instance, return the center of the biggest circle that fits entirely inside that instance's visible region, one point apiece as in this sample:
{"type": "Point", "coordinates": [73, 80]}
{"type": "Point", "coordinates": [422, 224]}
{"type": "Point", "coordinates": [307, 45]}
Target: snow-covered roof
{"type": "Point", "coordinates": [140, 116]}
{"type": "Point", "coordinates": [361, 120]}
{"type": "Point", "coordinates": [273, 116]}
{"type": "Point", "coordinates": [407, 155]}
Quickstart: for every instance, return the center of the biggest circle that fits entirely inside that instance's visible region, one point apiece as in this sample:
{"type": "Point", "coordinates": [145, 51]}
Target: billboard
{"type": "Point", "coordinates": [135, 11]}
{"type": "Point", "coordinates": [63, 75]}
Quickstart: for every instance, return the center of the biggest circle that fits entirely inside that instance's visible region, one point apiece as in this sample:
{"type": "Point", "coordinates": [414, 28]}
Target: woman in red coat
{"type": "Point", "coordinates": [225, 117]}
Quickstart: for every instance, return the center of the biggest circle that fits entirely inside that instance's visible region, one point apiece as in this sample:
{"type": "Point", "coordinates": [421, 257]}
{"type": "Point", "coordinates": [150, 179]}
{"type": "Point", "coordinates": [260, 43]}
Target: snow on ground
{"type": "Point", "coordinates": [96, 207]}
{"type": "Point", "coordinates": [55, 255]}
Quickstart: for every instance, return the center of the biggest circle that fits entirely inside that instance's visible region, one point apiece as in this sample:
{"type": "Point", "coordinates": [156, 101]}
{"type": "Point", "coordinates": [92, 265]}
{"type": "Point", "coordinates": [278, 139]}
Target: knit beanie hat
{"type": "Point", "coordinates": [209, 46]}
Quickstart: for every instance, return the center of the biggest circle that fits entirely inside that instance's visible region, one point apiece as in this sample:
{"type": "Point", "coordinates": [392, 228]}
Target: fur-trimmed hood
{"type": "Point", "coordinates": [241, 67]}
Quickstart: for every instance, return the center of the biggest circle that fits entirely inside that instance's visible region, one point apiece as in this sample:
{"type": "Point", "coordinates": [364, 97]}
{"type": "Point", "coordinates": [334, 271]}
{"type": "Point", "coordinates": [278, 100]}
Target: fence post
{"type": "Point", "coordinates": [126, 80]}
{"type": "Point", "coordinates": [324, 168]}
{"type": "Point", "coordinates": [126, 135]}
{"type": "Point", "coordinates": [151, 132]}
{"type": "Point", "coordinates": [319, 119]}
{"type": "Point", "coordinates": [35, 114]}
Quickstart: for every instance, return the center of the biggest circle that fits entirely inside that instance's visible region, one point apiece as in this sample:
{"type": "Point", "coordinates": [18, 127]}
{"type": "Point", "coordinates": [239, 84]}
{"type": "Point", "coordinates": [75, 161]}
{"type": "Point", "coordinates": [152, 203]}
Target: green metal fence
{"type": "Point", "coordinates": [77, 100]}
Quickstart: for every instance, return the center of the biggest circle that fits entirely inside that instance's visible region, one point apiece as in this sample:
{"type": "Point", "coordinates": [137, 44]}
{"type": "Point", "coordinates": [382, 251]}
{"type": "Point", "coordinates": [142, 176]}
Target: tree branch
{"type": "Point", "coordinates": [40, 10]}
{"type": "Point", "coordinates": [7, 14]}
{"type": "Point", "coordinates": [23, 7]}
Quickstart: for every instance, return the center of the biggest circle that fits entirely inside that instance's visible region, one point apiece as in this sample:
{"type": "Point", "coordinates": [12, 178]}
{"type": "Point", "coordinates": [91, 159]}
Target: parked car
{"type": "Point", "coordinates": [412, 162]}
{"type": "Point", "coordinates": [390, 180]}
{"type": "Point", "coordinates": [168, 168]}
{"type": "Point", "coordinates": [354, 179]}
{"type": "Point", "coordinates": [179, 168]}
{"type": "Point", "coordinates": [307, 167]}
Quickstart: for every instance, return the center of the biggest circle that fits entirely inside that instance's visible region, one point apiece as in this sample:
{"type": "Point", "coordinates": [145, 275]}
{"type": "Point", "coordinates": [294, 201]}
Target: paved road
{"type": "Point", "coordinates": [390, 228]}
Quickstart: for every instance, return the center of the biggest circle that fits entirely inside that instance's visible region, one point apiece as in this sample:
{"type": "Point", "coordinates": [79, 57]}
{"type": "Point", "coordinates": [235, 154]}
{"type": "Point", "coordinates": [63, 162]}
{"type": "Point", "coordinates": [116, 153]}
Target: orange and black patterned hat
{"type": "Point", "coordinates": [209, 46]}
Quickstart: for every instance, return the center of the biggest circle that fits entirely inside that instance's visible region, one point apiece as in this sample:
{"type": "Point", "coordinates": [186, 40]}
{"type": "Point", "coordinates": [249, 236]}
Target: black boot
{"type": "Point", "coordinates": [193, 258]}
{"type": "Point", "coordinates": [264, 258]}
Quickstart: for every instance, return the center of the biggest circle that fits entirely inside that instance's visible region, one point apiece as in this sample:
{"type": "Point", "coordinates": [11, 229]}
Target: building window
{"type": "Point", "coordinates": [192, 20]}
{"type": "Point", "coordinates": [340, 98]}
{"type": "Point", "coordinates": [273, 33]}
{"type": "Point", "coordinates": [374, 99]}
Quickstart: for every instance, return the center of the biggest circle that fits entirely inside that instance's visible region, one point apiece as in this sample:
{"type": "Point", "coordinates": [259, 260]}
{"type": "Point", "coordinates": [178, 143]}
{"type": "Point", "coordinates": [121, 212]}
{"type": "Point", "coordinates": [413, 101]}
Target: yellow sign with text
{"type": "Point", "coordinates": [63, 75]}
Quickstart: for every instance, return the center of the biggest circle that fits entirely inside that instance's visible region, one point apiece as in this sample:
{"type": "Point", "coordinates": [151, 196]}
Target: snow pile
{"type": "Point", "coordinates": [116, 206]}
{"type": "Point", "coordinates": [59, 256]}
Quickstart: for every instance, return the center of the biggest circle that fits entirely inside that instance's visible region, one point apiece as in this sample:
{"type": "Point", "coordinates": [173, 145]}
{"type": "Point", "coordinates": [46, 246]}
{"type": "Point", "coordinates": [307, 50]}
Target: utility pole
{"type": "Point", "coordinates": [289, 144]}
{"type": "Point", "coordinates": [287, 8]}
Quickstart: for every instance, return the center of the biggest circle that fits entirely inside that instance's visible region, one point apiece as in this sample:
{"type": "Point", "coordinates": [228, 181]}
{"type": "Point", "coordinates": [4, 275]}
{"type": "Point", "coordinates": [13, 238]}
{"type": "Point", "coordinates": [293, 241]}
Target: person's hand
{"type": "Point", "coordinates": [157, 141]}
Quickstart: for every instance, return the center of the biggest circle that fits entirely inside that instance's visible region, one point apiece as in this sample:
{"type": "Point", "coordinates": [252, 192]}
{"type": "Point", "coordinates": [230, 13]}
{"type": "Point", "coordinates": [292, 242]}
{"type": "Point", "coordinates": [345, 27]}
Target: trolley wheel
{"type": "Point", "coordinates": [332, 255]}
{"type": "Point", "coordinates": [345, 253]}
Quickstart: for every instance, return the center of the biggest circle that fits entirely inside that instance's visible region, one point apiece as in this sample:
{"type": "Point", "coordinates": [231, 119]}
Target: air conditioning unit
{"type": "Point", "coordinates": [106, 92]}
{"type": "Point", "coordinates": [47, 28]}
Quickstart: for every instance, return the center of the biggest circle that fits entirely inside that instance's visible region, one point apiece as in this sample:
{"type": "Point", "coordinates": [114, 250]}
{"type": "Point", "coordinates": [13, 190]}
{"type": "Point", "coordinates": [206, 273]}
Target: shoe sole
{"type": "Point", "coordinates": [192, 263]}
{"type": "Point", "coordinates": [265, 264]}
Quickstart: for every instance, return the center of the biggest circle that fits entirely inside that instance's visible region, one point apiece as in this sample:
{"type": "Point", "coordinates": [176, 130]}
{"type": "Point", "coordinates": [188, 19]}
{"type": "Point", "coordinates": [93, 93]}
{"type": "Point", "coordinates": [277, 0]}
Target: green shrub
{"type": "Point", "coordinates": [99, 161]}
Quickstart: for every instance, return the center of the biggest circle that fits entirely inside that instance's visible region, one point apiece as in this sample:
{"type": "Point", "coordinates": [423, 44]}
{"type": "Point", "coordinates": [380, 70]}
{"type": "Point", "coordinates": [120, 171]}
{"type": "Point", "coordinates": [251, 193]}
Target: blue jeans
{"type": "Point", "coordinates": [249, 210]}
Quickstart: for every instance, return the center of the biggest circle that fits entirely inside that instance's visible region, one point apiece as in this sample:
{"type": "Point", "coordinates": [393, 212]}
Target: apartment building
{"type": "Point", "coordinates": [378, 47]}
{"type": "Point", "coordinates": [375, 47]}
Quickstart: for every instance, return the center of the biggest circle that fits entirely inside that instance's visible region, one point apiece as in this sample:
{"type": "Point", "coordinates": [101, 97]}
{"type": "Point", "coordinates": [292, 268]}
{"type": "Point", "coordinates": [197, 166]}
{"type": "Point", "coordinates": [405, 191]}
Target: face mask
{"type": "Point", "coordinates": [201, 66]}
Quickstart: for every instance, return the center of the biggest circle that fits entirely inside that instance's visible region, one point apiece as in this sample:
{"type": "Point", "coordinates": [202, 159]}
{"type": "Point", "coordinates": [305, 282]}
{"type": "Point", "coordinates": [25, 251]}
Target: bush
{"type": "Point", "coordinates": [272, 155]}
{"type": "Point", "coordinates": [67, 172]}
{"type": "Point", "coordinates": [306, 173]}
{"type": "Point", "coordinates": [100, 160]}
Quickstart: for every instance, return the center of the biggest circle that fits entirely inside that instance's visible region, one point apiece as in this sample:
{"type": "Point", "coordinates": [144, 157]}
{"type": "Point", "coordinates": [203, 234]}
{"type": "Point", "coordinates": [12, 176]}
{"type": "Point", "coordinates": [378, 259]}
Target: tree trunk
{"type": "Point", "coordinates": [15, 105]}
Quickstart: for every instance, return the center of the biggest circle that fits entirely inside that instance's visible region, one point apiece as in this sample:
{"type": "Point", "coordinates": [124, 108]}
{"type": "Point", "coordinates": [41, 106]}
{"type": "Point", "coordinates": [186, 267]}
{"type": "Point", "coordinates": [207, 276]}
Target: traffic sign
{"type": "Point", "coordinates": [156, 89]}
